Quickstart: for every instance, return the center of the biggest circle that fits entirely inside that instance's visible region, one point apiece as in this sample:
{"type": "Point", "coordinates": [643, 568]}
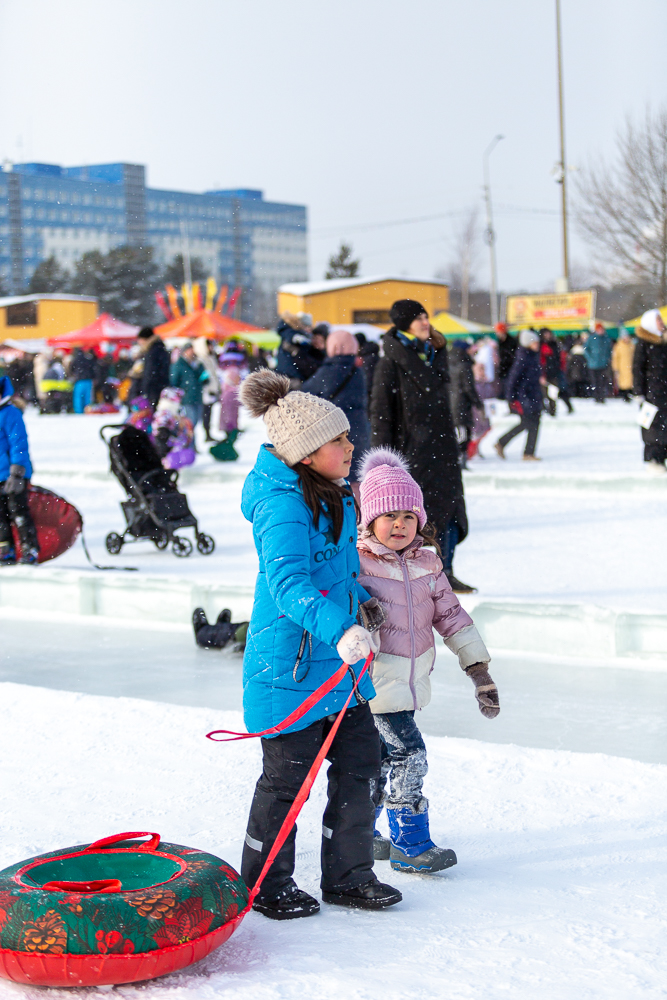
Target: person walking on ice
{"type": "Point", "coordinates": [409, 582]}
{"type": "Point", "coordinates": [523, 392]}
{"type": "Point", "coordinates": [303, 623]}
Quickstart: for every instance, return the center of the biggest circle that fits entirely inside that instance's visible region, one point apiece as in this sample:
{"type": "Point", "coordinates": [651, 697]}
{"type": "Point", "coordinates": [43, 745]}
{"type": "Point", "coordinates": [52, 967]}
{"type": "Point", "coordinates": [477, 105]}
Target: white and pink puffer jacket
{"type": "Point", "coordinates": [417, 597]}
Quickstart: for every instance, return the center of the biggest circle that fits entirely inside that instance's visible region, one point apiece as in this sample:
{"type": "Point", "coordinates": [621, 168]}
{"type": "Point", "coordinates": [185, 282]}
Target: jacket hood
{"type": "Point", "coordinates": [270, 476]}
{"type": "Point", "coordinates": [649, 337]}
{"type": "Point", "coordinates": [6, 390]}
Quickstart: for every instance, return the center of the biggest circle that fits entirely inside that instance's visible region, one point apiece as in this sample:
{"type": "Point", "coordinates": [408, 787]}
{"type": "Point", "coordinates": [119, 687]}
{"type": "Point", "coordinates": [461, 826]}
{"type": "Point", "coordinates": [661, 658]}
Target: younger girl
{"type": "Point", "coordinates": [303, 624]}
{"type": "Point", "coordinates": [410, 583]}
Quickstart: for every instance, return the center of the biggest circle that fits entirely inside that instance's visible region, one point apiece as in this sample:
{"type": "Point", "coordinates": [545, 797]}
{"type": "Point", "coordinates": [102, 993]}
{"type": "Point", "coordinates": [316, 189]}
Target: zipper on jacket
{"type": "Point", "coordinates": [411, 625]}
{"type": "Point", "coordinates": [299, 655]}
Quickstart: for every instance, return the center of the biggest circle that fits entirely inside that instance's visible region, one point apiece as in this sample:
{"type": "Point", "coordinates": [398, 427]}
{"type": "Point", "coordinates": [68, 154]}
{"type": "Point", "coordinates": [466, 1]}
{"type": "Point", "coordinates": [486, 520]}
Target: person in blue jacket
{"type": "Point", "coordinates": [523, 391]}
{"type": "Point", "coordinates": [15, 473]}
{"type": "Point", "coordinates": [340, 379]}
{"type": "Point", "coordinates": [303, 624]}
{"type": "Point", "coordinates": [597, 351]}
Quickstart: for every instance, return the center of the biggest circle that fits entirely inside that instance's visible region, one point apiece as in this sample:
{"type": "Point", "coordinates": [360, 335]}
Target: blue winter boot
{"type": "Point", "coordinates": [381, 845]}
{"type": "Point", "coordinates": [7, 554]}
{"type": "Point", "coordinates": [412, 849]}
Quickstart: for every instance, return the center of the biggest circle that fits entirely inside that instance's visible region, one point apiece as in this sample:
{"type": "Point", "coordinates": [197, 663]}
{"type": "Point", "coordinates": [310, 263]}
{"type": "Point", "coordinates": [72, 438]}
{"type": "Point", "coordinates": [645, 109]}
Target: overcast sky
{"type": "Point", "coordinates": [366, 111]}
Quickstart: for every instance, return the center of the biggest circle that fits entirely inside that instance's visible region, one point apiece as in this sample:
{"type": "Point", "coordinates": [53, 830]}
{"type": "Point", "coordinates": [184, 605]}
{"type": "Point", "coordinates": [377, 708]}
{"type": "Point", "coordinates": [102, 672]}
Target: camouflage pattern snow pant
{"type": "Point", "coordinates": [403, 762]}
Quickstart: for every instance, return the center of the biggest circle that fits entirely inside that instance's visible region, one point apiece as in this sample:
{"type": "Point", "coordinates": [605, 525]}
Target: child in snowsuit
{"type": "Point", "coordinates": [15, 473]}
{"type": "Point", "coordinates": [304, 622]}
{"type": "Point", "coordinates": [409, 582]}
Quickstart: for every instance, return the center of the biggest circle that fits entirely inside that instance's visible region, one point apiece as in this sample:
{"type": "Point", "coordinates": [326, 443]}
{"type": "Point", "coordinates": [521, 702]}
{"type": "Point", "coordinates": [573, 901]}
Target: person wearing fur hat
{"type": "Point", "coordinates": [150, 372]}
{"type": "Point", "coordinates": [341, 380]}
{"type": "Point", "coordinates": [303, 623]}
{"type": "Point", "coordinates": [410, 411]}
{"type": "Point", "coordinates": [408, 581]}
{"type": "Point", "coordinates": [649, 373]}
{"type": "Point", "coordinates": [523, 391]}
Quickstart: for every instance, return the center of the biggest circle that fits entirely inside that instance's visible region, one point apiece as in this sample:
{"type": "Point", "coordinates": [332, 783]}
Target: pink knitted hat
{"type": "Point", "coordinates": [386, 486]}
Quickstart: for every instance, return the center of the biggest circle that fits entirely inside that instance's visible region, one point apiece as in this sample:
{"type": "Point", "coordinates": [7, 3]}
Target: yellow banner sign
{"type": "Point", "coordinates": [541, 310]}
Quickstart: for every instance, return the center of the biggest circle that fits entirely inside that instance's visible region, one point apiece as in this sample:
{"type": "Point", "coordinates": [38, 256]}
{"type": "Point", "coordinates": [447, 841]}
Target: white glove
{"type": "Point", "coordinates": [356, 644]}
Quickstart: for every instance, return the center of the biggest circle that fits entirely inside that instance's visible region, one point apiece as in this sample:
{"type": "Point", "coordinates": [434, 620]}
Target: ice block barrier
{"type": "Point", "coordinates": [577, 630]}
{"type": "Point", "coordinates": [141, 598]}
{"type": "Point", "coordinates": [582, 631]}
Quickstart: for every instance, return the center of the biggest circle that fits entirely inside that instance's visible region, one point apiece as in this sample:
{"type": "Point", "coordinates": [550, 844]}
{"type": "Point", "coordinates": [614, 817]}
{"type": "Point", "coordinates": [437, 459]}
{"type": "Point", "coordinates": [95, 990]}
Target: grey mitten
{"type": "Point", "coordinates": [15, 483]}
{"type": "Point", "coordinates": [371, 615]}
{"type": "Point", "coordinates": [486, 691]}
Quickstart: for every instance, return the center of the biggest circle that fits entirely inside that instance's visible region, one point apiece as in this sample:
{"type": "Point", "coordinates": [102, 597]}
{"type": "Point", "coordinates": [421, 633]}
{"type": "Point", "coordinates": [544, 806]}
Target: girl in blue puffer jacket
{"type": "Point", "coordinates": [304, 622]}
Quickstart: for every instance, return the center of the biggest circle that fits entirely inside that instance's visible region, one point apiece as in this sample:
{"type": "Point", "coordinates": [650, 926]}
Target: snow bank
{"type": "Point", "coordinates": [559, 892]}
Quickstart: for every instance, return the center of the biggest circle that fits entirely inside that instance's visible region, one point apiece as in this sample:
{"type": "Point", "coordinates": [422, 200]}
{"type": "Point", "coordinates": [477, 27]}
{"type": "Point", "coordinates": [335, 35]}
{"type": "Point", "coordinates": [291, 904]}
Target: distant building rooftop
{"type": "Point", "coordinates": [335, 284]}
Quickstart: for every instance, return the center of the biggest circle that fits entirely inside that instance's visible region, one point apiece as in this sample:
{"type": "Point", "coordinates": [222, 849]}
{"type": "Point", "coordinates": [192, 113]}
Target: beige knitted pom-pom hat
{"type": "Point", "coordinates": [297, 422]}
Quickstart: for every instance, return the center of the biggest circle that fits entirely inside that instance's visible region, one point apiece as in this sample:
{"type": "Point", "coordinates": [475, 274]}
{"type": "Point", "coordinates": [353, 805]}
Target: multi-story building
{"type": "Point", "coordinates": [47, 210]}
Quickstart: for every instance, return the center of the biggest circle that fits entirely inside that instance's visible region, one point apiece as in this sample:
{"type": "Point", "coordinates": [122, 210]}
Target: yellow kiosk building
{"type": "Point", "coordinates": [360, 300]}
{"type": "Point", "coordinates": [32, 317]}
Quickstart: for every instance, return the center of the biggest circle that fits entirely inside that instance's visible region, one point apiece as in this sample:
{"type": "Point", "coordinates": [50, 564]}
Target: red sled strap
{"type": "Point", "coordinates": [304, 791]}
{"type": "Point", "coordinates": [228, 735]}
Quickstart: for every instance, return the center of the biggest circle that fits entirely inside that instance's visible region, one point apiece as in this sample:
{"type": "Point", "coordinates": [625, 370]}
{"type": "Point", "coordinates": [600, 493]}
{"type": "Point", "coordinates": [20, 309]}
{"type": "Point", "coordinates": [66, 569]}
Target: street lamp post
{"type": "Point", "coordinates": [564, 284]}
{"type": "Point", "coordinates": [490, 233]}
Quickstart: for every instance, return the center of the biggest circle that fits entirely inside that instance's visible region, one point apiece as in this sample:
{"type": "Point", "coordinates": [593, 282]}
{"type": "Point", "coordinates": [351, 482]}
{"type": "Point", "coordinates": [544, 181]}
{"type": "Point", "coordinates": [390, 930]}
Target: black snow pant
{"type": "Point", "coordinates": [348, 821]}
{"type": "Point", "coordinates": [206, 419]}
{"type": "Point", "coordinates": [529, 422]}
{"type": "Point", "coordinates": [600, 381]}
{"type": "Point", "coordinates": [403, 762]}
{"type": "Point", "coordinates": [14, 508]}
{"type": "Point", "coordinates": [655, 439]}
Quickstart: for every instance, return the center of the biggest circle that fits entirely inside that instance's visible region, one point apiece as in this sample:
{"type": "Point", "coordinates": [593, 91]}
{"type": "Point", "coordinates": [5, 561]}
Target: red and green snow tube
{"type": "Point", "coordinates": [115, 911]}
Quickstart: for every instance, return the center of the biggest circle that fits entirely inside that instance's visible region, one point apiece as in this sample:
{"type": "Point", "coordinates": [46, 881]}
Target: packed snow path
{"type": "Point", "coordinates": [559, 891]}
{"type": "Point", "coordinates": [580, 526]}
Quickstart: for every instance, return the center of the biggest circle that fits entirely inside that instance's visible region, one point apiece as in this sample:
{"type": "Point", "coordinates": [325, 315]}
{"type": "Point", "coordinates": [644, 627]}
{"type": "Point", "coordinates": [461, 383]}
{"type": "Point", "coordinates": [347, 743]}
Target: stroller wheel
{"type": "Point", "coordinates": [161, 541]}
{"type": "Point", "coordinates": [114, 543]}
{"type": "Point", "coordinates": [205, 544]}
{"type": "Point", "coordinates": [181, 547]}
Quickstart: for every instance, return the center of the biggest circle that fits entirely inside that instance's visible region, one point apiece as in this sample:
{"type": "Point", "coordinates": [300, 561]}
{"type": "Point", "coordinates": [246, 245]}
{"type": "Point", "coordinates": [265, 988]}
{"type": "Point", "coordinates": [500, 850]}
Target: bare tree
{"type": "Point", "coordinates": [621, 210]}
{"type": "Point", "coordinates": [466, 245]}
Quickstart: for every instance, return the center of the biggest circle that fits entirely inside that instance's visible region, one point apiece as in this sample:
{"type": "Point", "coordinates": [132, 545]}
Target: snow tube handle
{"type": "Point", "coordinates": [152, 844]}
{"type": "Point", "coordinates": [97, 885]}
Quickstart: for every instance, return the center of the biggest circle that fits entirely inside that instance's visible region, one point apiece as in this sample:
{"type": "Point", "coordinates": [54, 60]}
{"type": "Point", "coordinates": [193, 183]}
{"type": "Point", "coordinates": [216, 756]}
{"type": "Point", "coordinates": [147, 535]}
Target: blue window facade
{"type": "Point", "coordinates": [47, 210]}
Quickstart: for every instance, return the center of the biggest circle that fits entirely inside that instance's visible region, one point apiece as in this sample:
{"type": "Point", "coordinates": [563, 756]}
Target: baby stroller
{"type": "Point", "coordinates": [154, 509]}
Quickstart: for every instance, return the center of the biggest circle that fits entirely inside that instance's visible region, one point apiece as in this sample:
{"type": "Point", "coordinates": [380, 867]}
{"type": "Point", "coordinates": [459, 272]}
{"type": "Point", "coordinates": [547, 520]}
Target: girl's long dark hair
{"type": "Point", "coordinates": [318, 491]}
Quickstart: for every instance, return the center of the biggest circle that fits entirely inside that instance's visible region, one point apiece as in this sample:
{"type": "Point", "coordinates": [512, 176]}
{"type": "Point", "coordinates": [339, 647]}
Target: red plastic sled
{"type": "Point", "coordinates": [57, 521]}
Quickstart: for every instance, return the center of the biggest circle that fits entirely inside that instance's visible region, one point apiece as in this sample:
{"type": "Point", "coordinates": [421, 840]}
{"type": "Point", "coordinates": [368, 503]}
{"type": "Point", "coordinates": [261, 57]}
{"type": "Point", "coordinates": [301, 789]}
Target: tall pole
{"type": "Point", "coordinates": [564, 283]}
{"type": "Point", "coordinates": [490, 233]}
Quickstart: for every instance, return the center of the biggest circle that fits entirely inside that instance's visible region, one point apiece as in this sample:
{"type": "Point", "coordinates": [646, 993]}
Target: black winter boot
{"type": "Point", "coordinates": [458, 587]}
{"type": "Point", "coordinates": [373, 895]}
{"type": "Point", "coordinates": [199, 619]}
{"type": "Point", "coordinates": [288, 903]}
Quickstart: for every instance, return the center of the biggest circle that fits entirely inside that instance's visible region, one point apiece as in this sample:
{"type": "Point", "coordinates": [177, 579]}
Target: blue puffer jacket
{"type": "Point", "coordinates": [13, 436]}
{"type": "Point", "coordinates": [306, 597]}
{"type": "Point", "coordinates": [523, 382]}
{"type": "Point", "coordinates": [352, 399]}
{"type": "Point", "coordinates": [598, 351]}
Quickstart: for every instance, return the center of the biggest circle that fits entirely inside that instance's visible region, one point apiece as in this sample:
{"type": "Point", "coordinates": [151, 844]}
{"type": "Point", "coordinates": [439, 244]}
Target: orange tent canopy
{"type": "Point", "coordinates": [204, 323]}
{"type": "Point", "coordinates": [105, 327]}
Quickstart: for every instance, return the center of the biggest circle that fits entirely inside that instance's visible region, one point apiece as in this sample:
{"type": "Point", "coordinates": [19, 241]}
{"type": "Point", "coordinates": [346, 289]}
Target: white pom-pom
{"type": "Point", "coordinates": [375, 457]}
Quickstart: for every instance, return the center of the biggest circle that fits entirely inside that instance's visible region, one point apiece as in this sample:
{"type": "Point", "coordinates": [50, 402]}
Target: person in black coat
{"type": "Point", "coordinates": [507, 346]}
{"type": "Point", "coordinates": [154, 376]}
{"type": "Point", "coordinates": [649, 376]}
{"type": "Point", "coordinates": [463, 395]}
{"type": "Point", "coordinates": [524, 394]}
{"type": "Point", "coordinates": [410, 411]}
{"type": "Point", "coordinates": [340, 380]}
{"type": "Point", "coordinates": [298, 358]}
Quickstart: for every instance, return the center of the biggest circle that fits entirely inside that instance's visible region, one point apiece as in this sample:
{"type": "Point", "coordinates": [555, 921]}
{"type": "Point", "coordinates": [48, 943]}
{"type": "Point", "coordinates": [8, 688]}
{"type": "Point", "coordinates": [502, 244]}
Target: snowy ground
{"type": "Point", "coordinates": [558, 894]}
{"type": "Point", "coordinates": [586, 524]}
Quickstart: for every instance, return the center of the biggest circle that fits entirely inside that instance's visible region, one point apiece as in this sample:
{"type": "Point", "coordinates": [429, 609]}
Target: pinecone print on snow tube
{"type": "Point", "coordinates": [115, 911]}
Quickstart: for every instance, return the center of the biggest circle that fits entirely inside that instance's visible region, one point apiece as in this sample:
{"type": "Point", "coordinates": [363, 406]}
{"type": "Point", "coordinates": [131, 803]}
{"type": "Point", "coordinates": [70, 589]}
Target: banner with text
{"type": "Point", "coordinates": [542, 310]}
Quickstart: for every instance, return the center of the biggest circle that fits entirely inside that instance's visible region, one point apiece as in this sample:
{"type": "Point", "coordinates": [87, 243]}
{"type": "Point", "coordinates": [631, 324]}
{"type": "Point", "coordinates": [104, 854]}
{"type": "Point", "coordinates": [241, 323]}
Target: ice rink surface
{"type": "Point", "coordinates": [556, 809]}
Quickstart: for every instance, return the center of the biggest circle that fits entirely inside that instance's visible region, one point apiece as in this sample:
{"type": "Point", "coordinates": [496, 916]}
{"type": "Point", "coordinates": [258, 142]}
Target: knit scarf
{"type": "Point", "coordinates": [424, 349]}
